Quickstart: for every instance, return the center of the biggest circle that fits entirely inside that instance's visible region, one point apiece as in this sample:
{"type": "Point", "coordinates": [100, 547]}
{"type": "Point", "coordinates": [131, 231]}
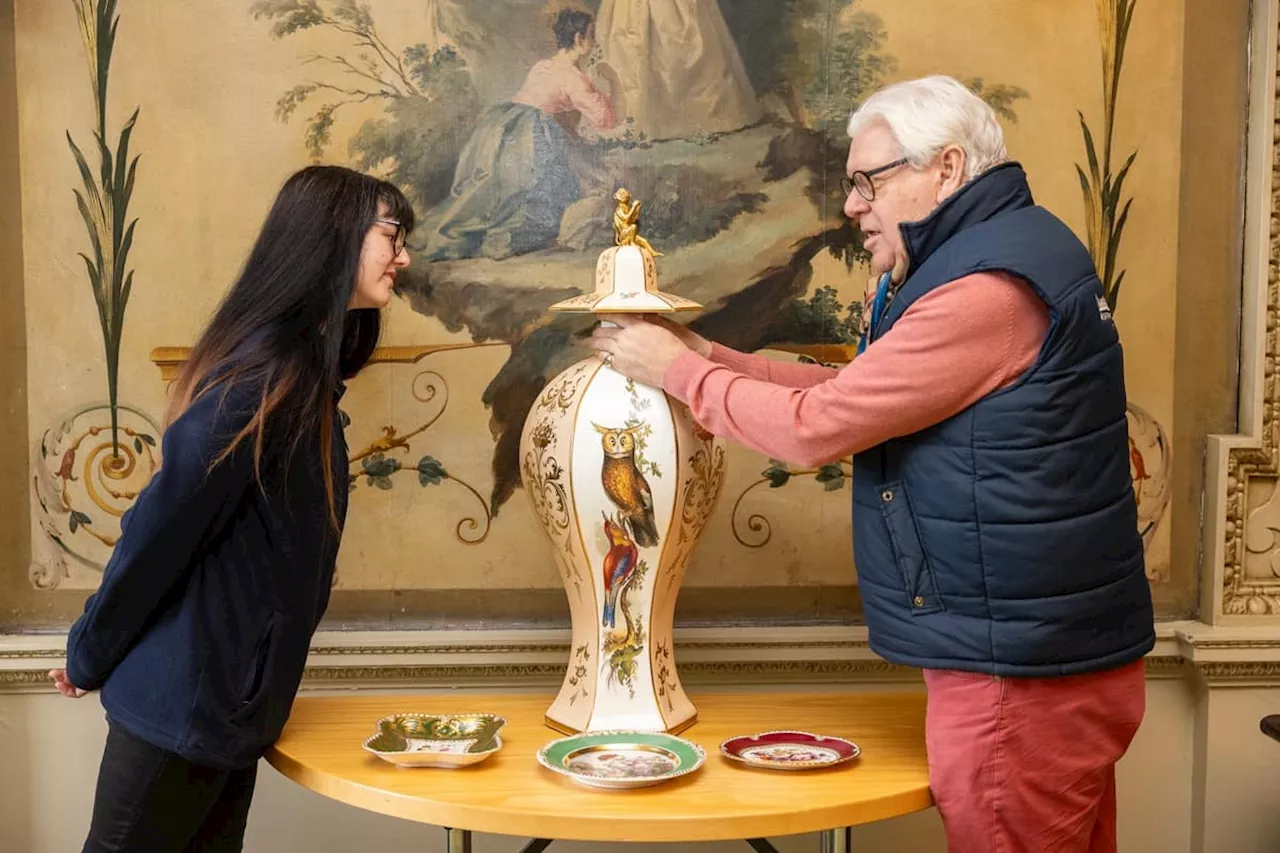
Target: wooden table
{"type": "Point", "coordinates": [511, 794]}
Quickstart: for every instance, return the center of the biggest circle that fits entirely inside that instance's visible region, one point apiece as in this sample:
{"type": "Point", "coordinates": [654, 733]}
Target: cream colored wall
{"type": "Point", "coordinates": [53, 746]}
{"type": "Point", "coordinates": [1236, 783]}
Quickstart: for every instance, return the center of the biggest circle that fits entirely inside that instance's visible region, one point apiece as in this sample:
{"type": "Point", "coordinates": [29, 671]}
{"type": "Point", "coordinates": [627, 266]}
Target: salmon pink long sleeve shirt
{"type": "Point", "coordinates": [949, 349]}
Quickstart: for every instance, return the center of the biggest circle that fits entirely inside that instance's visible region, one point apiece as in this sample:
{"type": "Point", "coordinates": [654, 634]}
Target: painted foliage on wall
{"type": "Point", "coordinates": [92, 463]}
{"type": "Point", "coordinates": [510, 125]}
{"type": "Point", "coordinates": [1106, 212]}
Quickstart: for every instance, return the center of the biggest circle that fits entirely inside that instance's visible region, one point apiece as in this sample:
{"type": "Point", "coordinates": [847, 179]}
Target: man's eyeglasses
{"type": "Point", "coordinates": [397, 242]}
{"type": "Point", "coordinates": [861, 181]}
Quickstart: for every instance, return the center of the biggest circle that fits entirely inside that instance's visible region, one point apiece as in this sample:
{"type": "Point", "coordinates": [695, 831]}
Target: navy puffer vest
{"type": "Point", "coordinates": [1004, 539]}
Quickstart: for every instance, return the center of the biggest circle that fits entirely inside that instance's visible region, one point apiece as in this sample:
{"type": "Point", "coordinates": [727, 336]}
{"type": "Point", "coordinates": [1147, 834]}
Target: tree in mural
{"type": "Point", "coordinates": [104, 199]}
{"type": "Point", "coordinates": [425, 90]}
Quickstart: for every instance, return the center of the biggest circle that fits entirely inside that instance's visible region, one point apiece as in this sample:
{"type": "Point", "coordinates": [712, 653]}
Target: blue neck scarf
{"type": "Point", "coordinates": [877, 310]}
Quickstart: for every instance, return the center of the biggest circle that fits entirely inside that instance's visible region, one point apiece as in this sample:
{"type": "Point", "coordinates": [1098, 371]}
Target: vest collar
{"type": "Point", "coordinates": [1000, 188]}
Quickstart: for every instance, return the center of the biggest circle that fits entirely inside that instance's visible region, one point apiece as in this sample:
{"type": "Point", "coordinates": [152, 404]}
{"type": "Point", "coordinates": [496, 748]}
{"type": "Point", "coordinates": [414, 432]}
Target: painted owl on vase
{"type": "Point", "coordinates": [623, 481]}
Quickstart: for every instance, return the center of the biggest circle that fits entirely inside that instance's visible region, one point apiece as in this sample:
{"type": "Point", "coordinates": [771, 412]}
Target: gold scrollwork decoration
{"type": "Point", "coordinates": [666, 668]}
{"type": "Point", "coordinates": [377, 466]}
{"type": "Point", "coordinates": [84, 483]}
{"type": "Point", "coordinates": [544, 477]}
{"type": "Point", "coordinates": [375, 462]}
{"type": "Point", "coordinates": [701, 491]}
{"type": "Point", "coordinates": [1241, 594]}
{"type": "Point", "coordinates": [581, 658]}
{"type": "Point", "coordinates": [558, 397]}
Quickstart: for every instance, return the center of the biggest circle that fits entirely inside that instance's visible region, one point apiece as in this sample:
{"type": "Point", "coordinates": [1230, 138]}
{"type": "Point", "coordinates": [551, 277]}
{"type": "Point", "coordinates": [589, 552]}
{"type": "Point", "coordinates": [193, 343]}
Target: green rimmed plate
{"type": "Point", "coordinates": [622, 759]}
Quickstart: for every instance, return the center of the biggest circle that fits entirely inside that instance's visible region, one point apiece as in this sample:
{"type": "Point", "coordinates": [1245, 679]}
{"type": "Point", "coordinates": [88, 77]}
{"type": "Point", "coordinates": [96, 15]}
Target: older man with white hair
{"type": "Point", "coordinates": [995, 529]}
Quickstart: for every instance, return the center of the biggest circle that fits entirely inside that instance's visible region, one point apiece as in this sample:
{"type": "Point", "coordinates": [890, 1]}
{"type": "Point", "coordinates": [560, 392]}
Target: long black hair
{"type": "Point", "coordinates": [285, 324]}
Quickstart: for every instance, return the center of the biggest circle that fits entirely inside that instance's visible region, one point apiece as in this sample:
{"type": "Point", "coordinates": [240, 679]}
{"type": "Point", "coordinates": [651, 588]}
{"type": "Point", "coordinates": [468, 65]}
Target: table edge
{"type": "Point", "coordinates": [680, 828]}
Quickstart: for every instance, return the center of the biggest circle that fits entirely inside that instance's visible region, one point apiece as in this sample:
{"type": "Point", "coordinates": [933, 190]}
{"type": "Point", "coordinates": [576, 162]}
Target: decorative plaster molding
{"type": "Point", "coordinates": [18, 654]}
{"type": "Point", "coordinates": [1242, 522]}
{"type": "Point", "coordinates": [1231, 657]}
{"type": "Point", "coordinates": [708, 657]}
{"type": "Point", "coordinates": [550, 674]}
{"type": "Point", "coordinates": [1240, 674]}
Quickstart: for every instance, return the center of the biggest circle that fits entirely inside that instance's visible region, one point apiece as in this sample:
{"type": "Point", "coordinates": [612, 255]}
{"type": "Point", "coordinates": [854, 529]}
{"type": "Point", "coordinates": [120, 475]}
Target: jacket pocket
{"type": "Point", "coordinates": [908, 549]}
{"type": "Point", "coordinates": [255, 682]}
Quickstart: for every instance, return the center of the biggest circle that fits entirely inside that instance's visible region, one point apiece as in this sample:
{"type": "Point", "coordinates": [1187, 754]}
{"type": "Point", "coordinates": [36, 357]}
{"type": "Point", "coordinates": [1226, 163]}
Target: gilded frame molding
{"type": "Point", "coordinates": [1238, 467]}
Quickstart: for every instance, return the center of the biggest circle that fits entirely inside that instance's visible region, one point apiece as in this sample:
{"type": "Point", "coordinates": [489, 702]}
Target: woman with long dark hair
{"type": "Point", "coordinates": [199, 632]}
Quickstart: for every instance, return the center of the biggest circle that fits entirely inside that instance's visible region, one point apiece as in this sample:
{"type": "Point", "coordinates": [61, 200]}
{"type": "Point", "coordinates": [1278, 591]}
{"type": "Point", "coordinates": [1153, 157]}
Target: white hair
{"type": "Point", "coordinates": [928, 114]}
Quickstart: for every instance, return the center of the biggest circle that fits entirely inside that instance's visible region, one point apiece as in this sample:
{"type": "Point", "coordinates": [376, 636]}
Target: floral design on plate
{"type": "Point", "coordinates": [789, 750]}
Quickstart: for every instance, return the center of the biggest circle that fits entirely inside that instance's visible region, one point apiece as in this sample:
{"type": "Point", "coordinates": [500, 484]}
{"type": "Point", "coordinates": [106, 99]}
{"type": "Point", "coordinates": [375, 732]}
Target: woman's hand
{"type": "Point", "coordinates": [644, 347]}
{"type": "Point", "coordinates": [65, 687]}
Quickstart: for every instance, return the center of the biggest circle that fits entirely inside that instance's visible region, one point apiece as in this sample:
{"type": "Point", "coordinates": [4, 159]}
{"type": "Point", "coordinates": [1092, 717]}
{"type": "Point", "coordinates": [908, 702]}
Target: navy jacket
{"type": "Point", "coordinates": [199, 632]}
{"type": "Point", "coordinates": [1004, 540]}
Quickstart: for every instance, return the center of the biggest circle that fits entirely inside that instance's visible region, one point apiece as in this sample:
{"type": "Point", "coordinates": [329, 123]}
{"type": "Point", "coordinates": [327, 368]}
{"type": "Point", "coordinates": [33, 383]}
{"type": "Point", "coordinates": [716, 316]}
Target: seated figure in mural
{"type": "Point", "coordinates": [199, 631]}
{"type": "Point", "coordinates": [513, 181]}
{"type": "Point", "coordinates": [995, 527]}
{"type": "Point", "coordinates": [678, 68]}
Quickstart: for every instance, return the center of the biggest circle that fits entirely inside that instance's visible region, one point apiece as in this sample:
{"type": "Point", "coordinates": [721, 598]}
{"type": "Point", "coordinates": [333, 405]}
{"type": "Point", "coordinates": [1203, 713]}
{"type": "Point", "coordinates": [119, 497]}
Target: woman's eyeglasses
{"type": "Point", "coordinates": [397, 242]}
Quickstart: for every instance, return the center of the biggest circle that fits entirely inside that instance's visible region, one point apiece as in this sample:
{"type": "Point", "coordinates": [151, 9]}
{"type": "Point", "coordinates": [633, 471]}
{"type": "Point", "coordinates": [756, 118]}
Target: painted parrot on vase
{"type": "Point", "coordinates": [619, 565]}
{"type": "Point", "coordinates": [625, 485]}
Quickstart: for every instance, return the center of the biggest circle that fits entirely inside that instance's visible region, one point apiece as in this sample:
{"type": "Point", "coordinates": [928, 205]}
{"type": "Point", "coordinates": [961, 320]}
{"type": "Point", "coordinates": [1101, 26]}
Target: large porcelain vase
{"type": "Point", "coordinates": [623, 481]}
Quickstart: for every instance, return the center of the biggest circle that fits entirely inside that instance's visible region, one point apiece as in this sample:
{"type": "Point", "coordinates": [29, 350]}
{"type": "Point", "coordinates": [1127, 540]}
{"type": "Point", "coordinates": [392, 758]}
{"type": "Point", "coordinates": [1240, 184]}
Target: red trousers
{"type": "Point", "coordinates": [1027, 765]}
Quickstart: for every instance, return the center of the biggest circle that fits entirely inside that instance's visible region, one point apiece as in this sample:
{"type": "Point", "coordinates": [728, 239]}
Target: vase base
{"type": "Point", "coordinates": [556, 725]}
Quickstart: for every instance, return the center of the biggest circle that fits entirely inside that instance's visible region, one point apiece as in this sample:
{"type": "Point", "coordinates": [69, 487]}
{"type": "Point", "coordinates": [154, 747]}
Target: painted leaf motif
{"type": "Point", "coordinates": [777, 474]}
{"type": "Point", "coordinates": [379, 465]}
{"type": "Point", "coordinates": [831, 477]}
{"type": "Point", "coordinates": [430, 471]}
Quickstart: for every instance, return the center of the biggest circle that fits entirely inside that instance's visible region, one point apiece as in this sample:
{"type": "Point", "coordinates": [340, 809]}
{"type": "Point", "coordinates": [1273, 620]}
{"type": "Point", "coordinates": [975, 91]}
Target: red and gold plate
{"type": "Point", "coordinates": [789, 750]}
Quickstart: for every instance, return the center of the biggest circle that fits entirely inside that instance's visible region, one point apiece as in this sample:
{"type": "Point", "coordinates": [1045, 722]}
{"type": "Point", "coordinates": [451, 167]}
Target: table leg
{"type": "Point", "coordinates": [537, 845]}
{"type": "Point", "coordinates": [761, 845]}
{"type": "Point", "coordinates": [837, 840]}
{"type": "Point", "coordinates": [459, 840]}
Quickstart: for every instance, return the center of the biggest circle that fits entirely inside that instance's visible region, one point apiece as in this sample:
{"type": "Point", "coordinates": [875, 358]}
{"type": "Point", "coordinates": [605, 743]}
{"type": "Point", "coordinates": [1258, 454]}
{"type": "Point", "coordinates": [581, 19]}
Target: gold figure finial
{"type": "Point", "coordinates": [626, 223]}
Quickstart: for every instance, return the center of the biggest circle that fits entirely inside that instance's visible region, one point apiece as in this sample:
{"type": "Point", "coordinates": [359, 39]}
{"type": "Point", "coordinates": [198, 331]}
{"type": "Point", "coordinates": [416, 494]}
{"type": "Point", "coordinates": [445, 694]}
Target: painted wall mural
{"type": "Point", "coordinates": [511, 125]}
{"type": "Point", "coordinates": [92, 462]}
{"type": "Point", "coordinates": [1106, 212]}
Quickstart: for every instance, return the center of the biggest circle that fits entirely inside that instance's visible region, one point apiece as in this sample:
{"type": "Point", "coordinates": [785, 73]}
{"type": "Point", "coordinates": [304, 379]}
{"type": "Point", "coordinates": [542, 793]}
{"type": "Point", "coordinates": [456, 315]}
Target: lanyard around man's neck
{"type": "Point", "coordinates": [877, 309]}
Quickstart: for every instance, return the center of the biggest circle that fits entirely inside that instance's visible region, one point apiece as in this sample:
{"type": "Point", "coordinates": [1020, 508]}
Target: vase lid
{"type": "Point", "coordinates": [626, 273]}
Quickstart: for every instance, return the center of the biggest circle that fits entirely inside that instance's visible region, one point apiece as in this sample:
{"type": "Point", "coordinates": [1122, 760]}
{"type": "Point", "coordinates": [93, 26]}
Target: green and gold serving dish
{"type": "Point", "coordinates": [436, 740]}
